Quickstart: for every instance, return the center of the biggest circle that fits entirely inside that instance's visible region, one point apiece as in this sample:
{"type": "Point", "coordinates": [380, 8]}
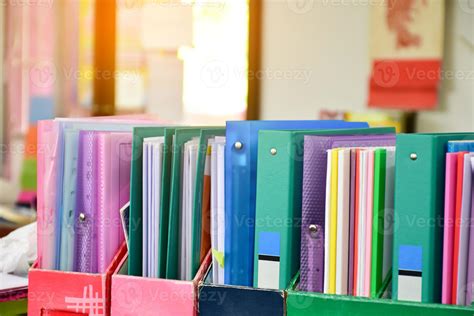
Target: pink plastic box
{"type": "Point", "coordinates": [71, 293]}
{"type": "Point", "coordinates": [133, 295]}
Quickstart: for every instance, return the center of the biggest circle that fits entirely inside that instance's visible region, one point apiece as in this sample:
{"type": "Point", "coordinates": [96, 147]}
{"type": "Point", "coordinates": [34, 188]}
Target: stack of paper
{"type": "Point", "coordinates": [170, 200]}
{"type": "Point", "coordinates": [458, 243]}
{"type": "Point", "coordinates": [188, 178]}
{"type": "Point", "coordinates": [358, 233]}
{"type": "Point", "coordinates": [152, 173]}
{"type": "Point", "coordinates": [217, 146]}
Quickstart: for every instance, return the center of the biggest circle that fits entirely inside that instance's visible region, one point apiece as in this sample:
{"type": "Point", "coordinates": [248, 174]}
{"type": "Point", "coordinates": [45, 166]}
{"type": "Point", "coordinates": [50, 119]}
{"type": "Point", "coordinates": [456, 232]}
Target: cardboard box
{"type": "Point", "coordinates": [71, 293]}
{"type": "Point", "coordinates": [304, 303]}
{"type": "Point", "coordinates": [238, 300]}
{"type": "Point", "coordinates": [133, 295]}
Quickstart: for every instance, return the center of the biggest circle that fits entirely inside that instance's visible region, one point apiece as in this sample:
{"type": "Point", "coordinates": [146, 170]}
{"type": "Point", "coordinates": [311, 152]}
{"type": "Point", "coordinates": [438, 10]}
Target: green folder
{"type": "Point", "coordinates": [376, 279]}
{"type": "Point", "coordinates": [136, 197]}
{"type": "Point", "coordinates": [206, 134]}
{"type": "Point", "coordinates": [279, 186]}
{"type": "Point", "coordinates": [419, 207]}
{"type": "Point", "coordinates": [165, 200]}
{"type": "Point", "coordinates": [182, 136]}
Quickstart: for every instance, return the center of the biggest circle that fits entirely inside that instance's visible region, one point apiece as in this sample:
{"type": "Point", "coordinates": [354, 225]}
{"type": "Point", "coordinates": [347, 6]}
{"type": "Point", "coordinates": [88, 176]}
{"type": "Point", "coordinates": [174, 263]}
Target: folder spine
{"type": "Point", "coordinates": [103, 156]}
{"type": "Point", "coordinates": [135, 257]}
{"type": "Point", "coordinates": [165, 202]}
{"type": "Point", "coordinates": [240, 212]}
{"type": "Point", "coordinates": [418, 202]}
{"type": "Point", "coordinates": [278, 208]}
{"type": "Point", "coordinates": [199, 198]}
{"type": "Point", "coordinates": [378, 223]}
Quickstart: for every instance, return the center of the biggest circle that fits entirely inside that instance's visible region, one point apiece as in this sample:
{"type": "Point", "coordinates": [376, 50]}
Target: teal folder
{"type": "Point", "coordinates": [278, 204]}
{"type": "Point", "coordinates": [206, 134]}
{"type": "Point", "coordinates": [419, 206]}
{"type": "Point", "coordinates": [136, 202]}
{"type": "Point", "coordinates": [182, 135]}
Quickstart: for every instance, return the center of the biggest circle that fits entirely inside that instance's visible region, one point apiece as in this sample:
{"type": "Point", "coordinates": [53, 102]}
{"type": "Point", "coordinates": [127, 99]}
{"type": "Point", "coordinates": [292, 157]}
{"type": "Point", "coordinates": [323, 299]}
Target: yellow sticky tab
{"type": "Point", "coordinates": [219, 255]}
{"type": "Point", "coordinates": [209, 149]}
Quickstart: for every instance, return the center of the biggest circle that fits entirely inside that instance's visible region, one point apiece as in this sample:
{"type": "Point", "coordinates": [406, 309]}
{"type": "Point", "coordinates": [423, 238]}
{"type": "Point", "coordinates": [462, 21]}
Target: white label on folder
{"type": "Point", "coordinates": [410, 273]}
{"type": "Point", "coordinates": [409, 288]}
{"type": "Point", "coordinates": [268, 272]}
{"type": "Point", "coordinates": [269, 260]}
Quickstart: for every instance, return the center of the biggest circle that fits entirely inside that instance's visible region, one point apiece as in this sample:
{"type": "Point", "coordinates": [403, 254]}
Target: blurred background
{"type": "Point", "coordinates": [403, 63]}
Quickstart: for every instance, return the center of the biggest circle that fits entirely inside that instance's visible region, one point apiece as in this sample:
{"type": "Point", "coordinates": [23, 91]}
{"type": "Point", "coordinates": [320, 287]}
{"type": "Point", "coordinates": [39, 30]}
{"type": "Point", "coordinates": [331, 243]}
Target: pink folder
{"type": "Point", "coordinates": [449, 208]}
{"type": "Point", "coordinates": [369, 221]}
{"type": "Point", "coordinates": [470, 257]}
{"type": "Point", "coordinates": [114, 155]}
{"type": "Point", "coordinates": [46, 179]}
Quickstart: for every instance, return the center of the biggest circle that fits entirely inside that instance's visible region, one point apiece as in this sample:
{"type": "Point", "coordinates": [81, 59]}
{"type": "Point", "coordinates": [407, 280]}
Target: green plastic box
{"type": "Point", "coordinates": [305, 303]}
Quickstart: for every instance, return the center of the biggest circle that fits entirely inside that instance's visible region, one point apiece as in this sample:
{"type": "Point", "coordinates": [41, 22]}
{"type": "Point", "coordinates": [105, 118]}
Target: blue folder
{"type": "Point", "coordinates": [240, 189]}
{"type": "Point", "coordinates": [456, 146]}
{"type": "Point", "coordinates": [66, 242]}
{"type": "Point", "coordinates": [68, 136]}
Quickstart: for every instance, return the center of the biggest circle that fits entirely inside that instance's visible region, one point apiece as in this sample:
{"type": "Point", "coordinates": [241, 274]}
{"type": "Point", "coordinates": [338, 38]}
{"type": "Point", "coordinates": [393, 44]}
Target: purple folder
{"type": "Point", "coordinates": [470, 263]}
{"type": "Point", "coordinates": [85, 242]}
{"type": "Point", "coordinates": [313, 208]}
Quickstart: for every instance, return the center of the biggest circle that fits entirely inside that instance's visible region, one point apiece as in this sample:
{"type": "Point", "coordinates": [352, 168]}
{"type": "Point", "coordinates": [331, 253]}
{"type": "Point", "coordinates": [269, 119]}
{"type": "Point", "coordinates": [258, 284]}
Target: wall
{"type": "Point", "coordinates": [315, 56]}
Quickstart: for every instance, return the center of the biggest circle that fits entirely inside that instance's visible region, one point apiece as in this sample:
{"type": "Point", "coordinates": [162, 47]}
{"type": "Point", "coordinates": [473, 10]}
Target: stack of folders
{"type": "Point", "coordinates": [432, 255]}
{"type": "Point", "coordinates": [85, 168]}
{"type": "Point", "coordinates": [193, 190]}
{"type": "Point", "coordinates": [346, 236]}
{"type": "Point", "coordinates": [358, 221]}
{"type": "Point", "coordinates": [177, 197]}
{"type": "Point", "coordinates": [242, 169]}
{"type": "Point", "coordinates": [458, 242]}
{"type": "Point", "coordinates": [311, 213]}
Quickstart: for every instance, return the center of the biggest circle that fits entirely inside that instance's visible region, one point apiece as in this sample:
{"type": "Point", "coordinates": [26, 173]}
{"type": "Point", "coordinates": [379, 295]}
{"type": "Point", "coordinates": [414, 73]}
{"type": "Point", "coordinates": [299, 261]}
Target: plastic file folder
{"type": "Point", "coordinates": [68, 129]}
{"type": "Point", "coordinates": [314, 192]}
{"type": "Point", "coordinates": [136, 197]}
{"type": "Point", "coordinates": [240, 189]}
{"type": "Point", "coordinates": [280, 169]}
{"type": "Point", "coordinates": [198, 221]}
{"type": "Point", "coordinates": [182, 135]}
{"type": "Point", "coordinates": [420, 172]}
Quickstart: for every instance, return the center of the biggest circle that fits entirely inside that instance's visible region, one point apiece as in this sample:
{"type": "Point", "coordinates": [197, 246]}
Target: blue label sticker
{"type": "Point", "coordinates": [269, 244]}
{"type": "Point", "coordinates": [410, 258]}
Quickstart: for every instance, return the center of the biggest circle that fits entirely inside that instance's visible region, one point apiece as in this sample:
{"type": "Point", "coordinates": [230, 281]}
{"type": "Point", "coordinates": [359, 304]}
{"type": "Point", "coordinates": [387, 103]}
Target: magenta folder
{"type": "Point", "coordinates": [470, 263]}
{"type": "Point", "coordinates": [114, 156]}
{"type": "Point", "coordinates": [448, 242]}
